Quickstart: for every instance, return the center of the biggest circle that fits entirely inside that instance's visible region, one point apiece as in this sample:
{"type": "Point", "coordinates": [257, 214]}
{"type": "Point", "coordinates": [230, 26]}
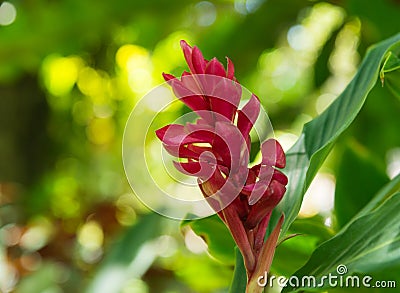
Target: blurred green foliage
{"type": "Point", "coordinates": [71, 72]}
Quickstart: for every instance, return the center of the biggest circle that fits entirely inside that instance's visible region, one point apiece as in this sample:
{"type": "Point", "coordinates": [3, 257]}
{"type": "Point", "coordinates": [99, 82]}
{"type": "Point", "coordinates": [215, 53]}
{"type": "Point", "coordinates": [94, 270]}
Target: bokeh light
{"type": "Point", "coordinates": [60, 73]}
{"type": "Point", "coordinates": [8, 13]}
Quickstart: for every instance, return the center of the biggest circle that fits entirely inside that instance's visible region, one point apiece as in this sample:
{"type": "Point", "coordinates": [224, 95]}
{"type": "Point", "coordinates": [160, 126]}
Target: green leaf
{"type": "Point", "coordinates": [313, 226]}
{"type": "Point", "coordinates": [239, 280]}
{"type": "Point", "coordinates": [358, 179]}
{"type": "Point", "coordinates": [384, 193]}
{"type": "Point", "coordinates": [129, 257]}
{"type": "Point", "coordinates": [217, 236]}
{"type": "Point", "coordinates": [369, 243]}
{"type": "Point", "coordinates": [294, 253]}
{"type": "Point", "coordinates": [319, 135]}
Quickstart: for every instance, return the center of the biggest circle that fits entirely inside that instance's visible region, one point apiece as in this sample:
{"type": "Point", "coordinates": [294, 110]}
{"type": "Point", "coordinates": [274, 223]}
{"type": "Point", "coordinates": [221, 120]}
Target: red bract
{"type": "Point", "coordinates": [216, 150]}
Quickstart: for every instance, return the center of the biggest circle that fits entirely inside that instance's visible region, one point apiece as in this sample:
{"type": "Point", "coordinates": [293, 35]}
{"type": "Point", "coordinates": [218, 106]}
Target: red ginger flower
{"type": "Point", "coordinates": [216, 149]}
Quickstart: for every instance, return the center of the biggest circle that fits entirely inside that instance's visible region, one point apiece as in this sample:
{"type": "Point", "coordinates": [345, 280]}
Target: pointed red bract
{"type": "Point", "coordinates": [248, 115]}
{"type": "Point", "coordinates": [273, 154]}
{"type": "Point", "coordinates": [187, 52]}
{"type": "Point", "coordinates": [198, 62]}
{"type": "Point", "coordinates": [214, 67]}
{"type": "Point", "coordinates": [230, 71]}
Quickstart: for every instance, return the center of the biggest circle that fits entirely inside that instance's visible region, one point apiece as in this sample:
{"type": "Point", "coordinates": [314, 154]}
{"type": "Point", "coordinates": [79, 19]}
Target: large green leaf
{"type": "Point", "coordinates": [312, 226]}
{"type": "Point", "coordinates": [384, 193]}
{"type": "Point", "coordinates": [293, 254]}
{"type": "Point", "coordinates": [370, 243]}
{"type": "Point", "coordinates": [358, 179]}
{"type": "Point", "coordinates": [319, 135]}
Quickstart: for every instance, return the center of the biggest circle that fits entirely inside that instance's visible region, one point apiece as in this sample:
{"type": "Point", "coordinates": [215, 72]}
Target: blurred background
{"type": "Point", "coordinates": [70, 73]}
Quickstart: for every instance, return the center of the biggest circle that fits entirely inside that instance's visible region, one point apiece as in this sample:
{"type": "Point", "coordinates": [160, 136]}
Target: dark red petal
{"type": "Point", "coordinates": [260, 233]}
{"type": "Point", "coordinates": [229, 143]}
{"type": "Point", "coordinates": [203, 169]}
{"type": "Point", "coordinates": [180, 89]}
{"type": "Point", "coordinates": [198, 62]}
{"type": "Point", "coordinates": [230, 70]}
{"type": "Point", "coordinates": [199, 149]}
{"type": "Point", "coordinates": [266, 253]}
{"type": "Point", "coordinates": [248, 115]}
{"type": "Point", "coordinates": [176, 135]}
{"type": "Point", "coordinates": [265, 176]}
{"type": "Point", "coordinates": [232, 91]}
{"type": "Point", "coordinates": [225, 98]}
{"type": "Point", "coordinates": [214, 67]}
{"type": "Point", "coordinates": [181, 151]}
{"type": "Point", "coordinates": [167, 77]}
{"type": "Point", "coordinates": [273, 154]}
{"type": "Point", "coordinates": [248, 188]}
{"type": "Point", "coordinates": [213, 184]}
{"type": "Point", "coordinates": [161, 132]}
{"type": "Point", "coordinates": [200, 126]}
{"type": "Point", "coordinates": [255, 191]}
{"type": "Point", "coordinates": [239, 234]}
{"type": "Point", "coordinates": [225, 108]}
{"type": "Point", "coordinates": [266, 204]}
{"type": "Point", "coordinates": [223, 169]}
{"type": "Point", "coordinates": [241, 206]}
{"type": "Point", "coordinates": [189, 168]}
{"type": "Point", "coordinates": [280, 177]}
{"type": "Point", "coordinates": [256, 169]}
{"type": "Point", "coordinates": [189, 81]}
{"type": "Point", "coordinates": [220, 190]}
{"type": "Point", "coordinates": [251, 176]}
{"type": "Point", "coordinates": [194, 101]}
{"type": "Point", "coordinates": [187, 52]}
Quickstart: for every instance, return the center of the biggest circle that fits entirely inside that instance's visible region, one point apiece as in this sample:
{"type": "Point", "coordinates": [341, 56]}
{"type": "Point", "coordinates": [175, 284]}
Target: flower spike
{"type": "Point", "coordinates": [216, 150]}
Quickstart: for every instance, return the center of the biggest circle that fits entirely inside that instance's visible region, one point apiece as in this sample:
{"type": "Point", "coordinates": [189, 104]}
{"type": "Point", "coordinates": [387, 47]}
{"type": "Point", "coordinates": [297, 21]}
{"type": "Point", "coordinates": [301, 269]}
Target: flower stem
{"type": "Point", "coordinates": [239, 234]}
{"type": "Point", "coordinates": [264, 260]}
